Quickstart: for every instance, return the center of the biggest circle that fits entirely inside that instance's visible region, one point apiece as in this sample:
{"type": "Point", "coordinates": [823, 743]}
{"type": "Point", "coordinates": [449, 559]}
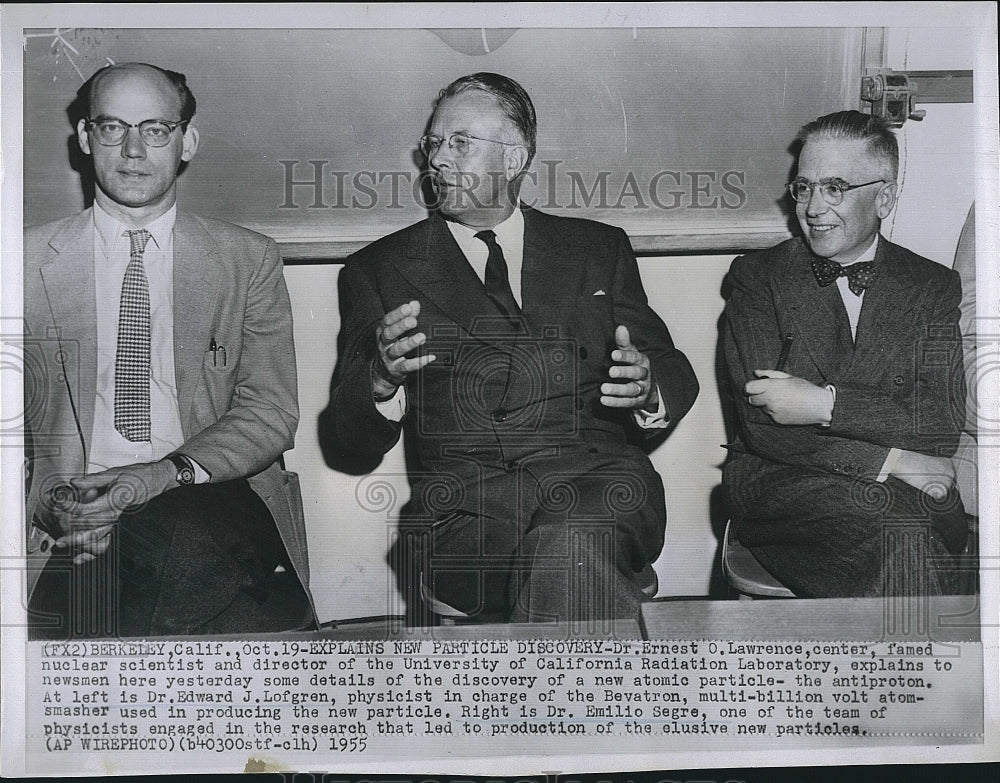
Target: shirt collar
{"type": "Point", "coordinates": [508, 232]}
{"type": "Point", "coordinates": [110, 229]}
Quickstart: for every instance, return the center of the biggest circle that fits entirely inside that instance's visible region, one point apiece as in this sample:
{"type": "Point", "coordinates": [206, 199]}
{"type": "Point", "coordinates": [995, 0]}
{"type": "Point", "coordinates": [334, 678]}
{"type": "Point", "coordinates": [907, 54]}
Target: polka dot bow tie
{"type": "Point", "coordinates": [859, 276]}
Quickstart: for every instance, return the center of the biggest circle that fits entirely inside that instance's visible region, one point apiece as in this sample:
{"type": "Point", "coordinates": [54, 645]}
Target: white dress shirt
{"type": "Point", "coordinates": [510, 237]}
{"type": "Point", "coordinates": [853, 301]}
{"type": "Point", "coordinates": [112, 249]}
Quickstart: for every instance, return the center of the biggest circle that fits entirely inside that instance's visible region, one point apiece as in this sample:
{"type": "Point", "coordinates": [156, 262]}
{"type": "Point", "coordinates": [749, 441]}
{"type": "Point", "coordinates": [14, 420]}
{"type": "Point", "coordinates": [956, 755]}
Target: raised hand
{"type": "Point", "coordinates": [396, 343]}
{"type": "Point", "coordinates": [632, 384]}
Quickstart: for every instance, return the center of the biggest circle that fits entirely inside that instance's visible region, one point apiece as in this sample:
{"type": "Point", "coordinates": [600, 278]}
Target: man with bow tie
{"type": "Point", "coordinates": [845, 354]}
{"type": "Point", "coordinates": [518, 351]}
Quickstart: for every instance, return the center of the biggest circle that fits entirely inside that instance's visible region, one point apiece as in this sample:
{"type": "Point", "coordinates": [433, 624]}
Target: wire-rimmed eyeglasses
{"type": "Point", "coordinates": [461, 144]}
{"type": "Point", "coordinates": [832, 190]}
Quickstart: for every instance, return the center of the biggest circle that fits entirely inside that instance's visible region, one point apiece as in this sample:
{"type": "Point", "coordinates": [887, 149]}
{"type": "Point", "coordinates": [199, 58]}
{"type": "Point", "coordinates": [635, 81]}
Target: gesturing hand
{"type": "Point", "coordinates": [632, 385]}
{"type": "Point", "coordinates": [788, 399]}
{"type": "Point", "coordinates": [396, 345]}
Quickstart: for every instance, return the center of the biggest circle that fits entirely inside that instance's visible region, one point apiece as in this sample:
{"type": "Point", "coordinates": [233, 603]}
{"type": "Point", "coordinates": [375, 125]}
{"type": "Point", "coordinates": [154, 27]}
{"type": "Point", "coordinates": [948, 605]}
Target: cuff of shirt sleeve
{"type": "Point", "coordinates": [890, 462]}
{"type": "Point", "coordinates": [394, 408]}
{"type": "Point", "coordinates": [833, 391]}
{"type": "Point", "coordinates": [652, 421]}
{"type": "Point", "coordinates": [201, 476]}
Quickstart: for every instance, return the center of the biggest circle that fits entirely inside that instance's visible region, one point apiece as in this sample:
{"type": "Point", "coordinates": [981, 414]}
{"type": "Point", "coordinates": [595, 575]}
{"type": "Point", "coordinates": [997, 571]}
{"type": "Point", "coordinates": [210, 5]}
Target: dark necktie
{"type": "Point", "coordinates": [497, 278]}
{"type": "Point", "coordinates": [859, 276]}
{"type": "Point", "coordinates": [132, 356]}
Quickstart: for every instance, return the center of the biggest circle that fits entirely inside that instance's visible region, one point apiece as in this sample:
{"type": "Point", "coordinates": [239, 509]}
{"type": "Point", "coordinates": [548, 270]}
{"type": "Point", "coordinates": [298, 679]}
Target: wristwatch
{"type": "Point", "coordinates": [185, 470]}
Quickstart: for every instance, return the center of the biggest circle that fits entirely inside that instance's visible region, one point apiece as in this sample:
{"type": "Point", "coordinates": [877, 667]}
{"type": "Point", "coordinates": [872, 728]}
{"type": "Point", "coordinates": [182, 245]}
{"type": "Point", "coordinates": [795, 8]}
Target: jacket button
{"type": "Point", "coordinates": [898, 380]}
{"type": "Point", "coordinates": [499, 415]}
{"type": "Point", "coordinates": [510, 466]}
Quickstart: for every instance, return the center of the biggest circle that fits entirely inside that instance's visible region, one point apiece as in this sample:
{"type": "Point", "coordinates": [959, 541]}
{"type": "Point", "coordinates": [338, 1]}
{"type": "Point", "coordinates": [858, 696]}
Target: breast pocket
{"type": "Point", "coordinates": [218, 380]}
{"type": "Point", "coordinates": [594, 318]}
{"type": "Point", "coordinates": [595, 306]}
{"type": "Point", "coordinates": [218, 360]}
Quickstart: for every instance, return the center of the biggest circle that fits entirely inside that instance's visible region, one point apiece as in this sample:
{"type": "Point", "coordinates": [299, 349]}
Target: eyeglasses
{"type": "Point", "coordinates": [110, 131]}
{"type": "Point", "coordinates": [832, 190]}
{"type": "Point", "coordinates": [461, 144]}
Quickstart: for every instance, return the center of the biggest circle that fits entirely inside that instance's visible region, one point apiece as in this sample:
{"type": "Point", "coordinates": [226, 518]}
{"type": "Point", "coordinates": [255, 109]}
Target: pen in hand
{"type": "Point", "coordinates": [786, 348]}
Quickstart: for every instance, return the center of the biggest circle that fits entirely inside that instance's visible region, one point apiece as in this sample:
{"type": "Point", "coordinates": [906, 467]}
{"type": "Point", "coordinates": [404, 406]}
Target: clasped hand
{"type": "Point", "coordinates": [80, 514]}
{"type": "Point", "coordinates": [788, 399]}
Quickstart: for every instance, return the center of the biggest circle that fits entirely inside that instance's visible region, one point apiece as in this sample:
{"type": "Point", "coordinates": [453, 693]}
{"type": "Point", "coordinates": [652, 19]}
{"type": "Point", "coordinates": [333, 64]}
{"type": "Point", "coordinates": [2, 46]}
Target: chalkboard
{"type": "Point", "coordinates": [680, 136]}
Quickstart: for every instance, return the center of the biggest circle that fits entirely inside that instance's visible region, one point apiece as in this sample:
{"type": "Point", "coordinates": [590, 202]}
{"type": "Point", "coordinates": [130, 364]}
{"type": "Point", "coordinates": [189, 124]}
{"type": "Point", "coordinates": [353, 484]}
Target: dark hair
{"type": "Point", "coordinates": [881, 141]}
{"type": "Point", "coordinates": [179, 80]}
{"type": "Point", "coordinates": [509, 94]}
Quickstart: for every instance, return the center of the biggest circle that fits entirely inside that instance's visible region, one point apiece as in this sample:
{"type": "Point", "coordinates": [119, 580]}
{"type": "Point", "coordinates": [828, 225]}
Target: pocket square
{"type": "Point", "coordinates": [599, 292]}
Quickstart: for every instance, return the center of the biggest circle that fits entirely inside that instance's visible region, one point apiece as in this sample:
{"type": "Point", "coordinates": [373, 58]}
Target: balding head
{"type": "Point", "coordinates": [155, 78]}
{"type": "Point", "coordinates": [137, 134]}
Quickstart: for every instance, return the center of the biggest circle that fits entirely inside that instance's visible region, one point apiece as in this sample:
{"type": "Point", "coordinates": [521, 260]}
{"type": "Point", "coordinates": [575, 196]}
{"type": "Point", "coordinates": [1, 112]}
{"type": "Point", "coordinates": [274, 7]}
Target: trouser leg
{"type": "Point", "coordinates": [193, 560]}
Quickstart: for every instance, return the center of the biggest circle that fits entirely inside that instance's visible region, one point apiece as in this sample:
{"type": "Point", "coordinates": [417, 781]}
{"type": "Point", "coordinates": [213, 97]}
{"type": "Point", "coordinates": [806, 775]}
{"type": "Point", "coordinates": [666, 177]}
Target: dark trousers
{"type": "Point", "coordinates": [194, 560]}
{"type": "Point", "coordinates": [556, 540]}
{"type": "Point", "coordinates": [824, 536]}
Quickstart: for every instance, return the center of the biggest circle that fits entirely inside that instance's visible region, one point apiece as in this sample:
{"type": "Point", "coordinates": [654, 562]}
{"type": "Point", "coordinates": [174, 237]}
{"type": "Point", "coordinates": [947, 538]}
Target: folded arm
{"type": "Point", "coordinates": [863, 431]}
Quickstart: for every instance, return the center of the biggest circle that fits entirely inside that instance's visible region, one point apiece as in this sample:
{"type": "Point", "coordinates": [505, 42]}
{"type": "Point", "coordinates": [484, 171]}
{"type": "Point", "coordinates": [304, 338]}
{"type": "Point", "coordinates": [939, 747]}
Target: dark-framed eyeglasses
{"type": "Point", "coordinates": [111, 131]}
{"type": "Point", "coordinates": [461, 144]}
{"type": "Point", "coordinates": [832, 190]}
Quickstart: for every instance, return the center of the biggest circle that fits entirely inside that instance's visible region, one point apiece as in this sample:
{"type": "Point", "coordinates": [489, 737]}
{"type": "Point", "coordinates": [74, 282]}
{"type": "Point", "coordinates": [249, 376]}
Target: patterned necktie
{"type": "Point", "coordinates": [497, 278]}
{"type": "Point", "coordinates": [132, 357]}
{"type": "Point", "coordinates": [859, 276]}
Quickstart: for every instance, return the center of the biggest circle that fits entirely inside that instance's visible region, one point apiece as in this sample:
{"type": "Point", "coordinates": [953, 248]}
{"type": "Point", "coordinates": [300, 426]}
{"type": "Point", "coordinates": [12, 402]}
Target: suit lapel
{"type": "Point", "coordinates": [551, 264]}
{"type": "Point", "coordinates": [886, 302]}
{"type": "Point", "coordinates": [436, 266]}
{"type": "Point", "coordinates": [68, 278]}
{"type": "Point", "coordinates": [196, 277]}
{"type": "Point", "coordinates": [820, 320]}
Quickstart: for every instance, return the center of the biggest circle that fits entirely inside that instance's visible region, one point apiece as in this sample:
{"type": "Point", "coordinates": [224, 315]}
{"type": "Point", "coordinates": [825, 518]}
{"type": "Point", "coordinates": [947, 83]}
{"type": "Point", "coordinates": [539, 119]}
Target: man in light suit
{"type": "Point", "coordinates": [162, 395]}
{"type": "Point", "coordinates": [848, 354]}
{"type": "Point", "coordinates": [519, 352]}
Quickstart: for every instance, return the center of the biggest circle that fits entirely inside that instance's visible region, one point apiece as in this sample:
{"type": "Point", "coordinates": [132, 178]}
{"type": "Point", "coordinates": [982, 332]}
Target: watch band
{"type": "Point", "coordinates": [185, 470]}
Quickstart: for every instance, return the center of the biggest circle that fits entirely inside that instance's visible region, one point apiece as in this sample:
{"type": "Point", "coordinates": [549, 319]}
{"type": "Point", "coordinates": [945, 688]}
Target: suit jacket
{"type": "Point", "coordinates": [237, 419]}
{"type": "Point", "coordinates": [494, 399]}
{"type": "Point", "coordinates": [899, 385]}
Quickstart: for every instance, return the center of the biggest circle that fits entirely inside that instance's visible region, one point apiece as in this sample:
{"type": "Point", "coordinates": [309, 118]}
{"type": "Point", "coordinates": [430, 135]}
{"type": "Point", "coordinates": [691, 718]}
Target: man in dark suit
{"type": "Point", "coordinates": [519, 351]}
{"type": "Point", "coordinates": [847, 351]}
{"type": "Point", "coordinates": [161, 397]}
